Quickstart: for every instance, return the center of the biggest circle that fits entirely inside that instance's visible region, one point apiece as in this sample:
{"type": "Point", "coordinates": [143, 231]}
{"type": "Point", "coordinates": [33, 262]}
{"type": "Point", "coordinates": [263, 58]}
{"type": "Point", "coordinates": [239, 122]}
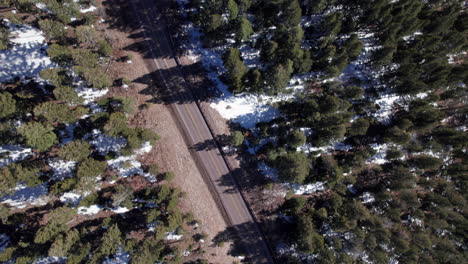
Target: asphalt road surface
{"type": "Point", "coordinates": [168, 75]}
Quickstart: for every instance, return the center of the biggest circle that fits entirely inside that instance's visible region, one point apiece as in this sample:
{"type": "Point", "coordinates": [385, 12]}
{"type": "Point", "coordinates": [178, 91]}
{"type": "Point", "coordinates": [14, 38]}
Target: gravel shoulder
{"type": "Point", "coordinates": [171, 152]}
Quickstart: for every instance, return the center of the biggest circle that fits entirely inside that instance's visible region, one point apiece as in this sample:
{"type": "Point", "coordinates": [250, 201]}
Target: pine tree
{"type": "Point", "coordinates": [7, 104]}
{"type": "Point", "coordinates": [244, 29]}
{"type": "Point", "coordinates": [236, 69]}
{"type": "Point", "coordinates": [37, 135]}
{"type": "Point", "coordinates": [233, 9]}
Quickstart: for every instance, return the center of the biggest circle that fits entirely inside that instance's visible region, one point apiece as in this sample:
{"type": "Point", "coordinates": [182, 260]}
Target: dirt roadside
{"type": "Point", "coordinates": [170, 153]}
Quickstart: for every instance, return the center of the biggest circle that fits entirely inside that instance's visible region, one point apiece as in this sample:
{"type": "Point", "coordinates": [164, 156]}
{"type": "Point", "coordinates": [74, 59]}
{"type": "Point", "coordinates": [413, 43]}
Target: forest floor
{"type": "Point", "coordinates": [170, 152]}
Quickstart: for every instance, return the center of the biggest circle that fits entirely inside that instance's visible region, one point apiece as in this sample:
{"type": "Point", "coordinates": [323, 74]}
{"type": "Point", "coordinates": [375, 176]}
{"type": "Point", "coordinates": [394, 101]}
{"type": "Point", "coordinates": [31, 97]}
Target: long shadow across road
{"type": "Point", "coordinates": [148, 16]}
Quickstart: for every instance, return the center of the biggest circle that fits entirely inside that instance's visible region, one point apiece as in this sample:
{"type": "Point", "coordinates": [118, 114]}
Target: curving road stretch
{"type": "Point", "coordinates": [168, 75]}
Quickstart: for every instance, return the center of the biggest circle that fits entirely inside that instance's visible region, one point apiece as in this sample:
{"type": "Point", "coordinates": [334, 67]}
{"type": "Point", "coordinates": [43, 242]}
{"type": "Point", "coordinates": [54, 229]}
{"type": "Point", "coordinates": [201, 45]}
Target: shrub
{"type": "Point", "coordinates": [104, 48]}
{"type": "Point", "coordinates": [68, 95]}
{"type": "Point", "coordinates": [237, 138]}
{"type": "Point", "coordinates": [293, 167]}
{"type": "Point", "coordinates": [87, 35]}
{"type": "Point", "coordinates": [359, 127]}
{"type": "Point", "coordinates": [7, 105]}
{"type": "Point", "coordinates": [53, 29]}
{"type": "Point", "coordinates": [168, 176]}
{"type": "Point", "coordinates": [90, 168]}
{"type": "Point", "coordinates": [296, 138]}
{"type": "Point", "coordinates": [426, 162]}
{"type": "Point", "coordinates": [60, 54]}
{"type": "Point", "coordinates": [57, 76]}
{"type": "Point", "coordinates": [39, 136]}
{"type": "Point", "coordinates": [77, 150]}
{"type": "Point", "coordinates": [54, 112]}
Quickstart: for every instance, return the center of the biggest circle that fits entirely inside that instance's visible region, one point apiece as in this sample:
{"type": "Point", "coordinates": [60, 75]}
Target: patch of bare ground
{"type": "Point", "coordinates": [170, 153]}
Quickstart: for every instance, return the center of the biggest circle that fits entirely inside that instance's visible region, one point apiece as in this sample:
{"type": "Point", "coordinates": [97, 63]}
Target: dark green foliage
{"type": "Point", "coordinates": [67, 94]}
{"type": "Point", "coordinates": [7, 105]}
{"type": "Point", "coordinates": [296, 138]}
{"type": "Point", "coordinates": [244, 29]}
{"type": "Point", "coordinates": [77, 150]}
{"type": "Point", "coordinates": [57, 76]}
{"type": "Point", "coordinates": [426, 162]}
{"type": "Point", "coordinates": [104, 48]}
{"type": "Point", "coordinates": [53, 29]}
{"type": "Point", "coordinates": [308, 240]}
{"type": "Point", "coordinates": [359, 127]}
{"type": "Point", "coordinates": [235, 69]}
{"type": "Point", "coordinates": [4, 38]}
{"type": "Point", "coordinates": [278, 77]}
{"type": "Point", "coordinates": [237, 138]}
{"type": "Point", "coordinates": [60, 54]}
{"type": "Point", "coordinates": [38, 136]}
{"type": "Point", "coordinates": [233, 9]}
{"type": "Point", "coordinates": [54, 112]}
{"type": "Point", "coordinates": [293, 167]}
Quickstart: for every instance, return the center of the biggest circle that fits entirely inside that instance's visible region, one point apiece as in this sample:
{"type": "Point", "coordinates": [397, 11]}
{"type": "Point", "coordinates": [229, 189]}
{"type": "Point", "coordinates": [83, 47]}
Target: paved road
{"type": "Point", "coordinates": [167, 74]}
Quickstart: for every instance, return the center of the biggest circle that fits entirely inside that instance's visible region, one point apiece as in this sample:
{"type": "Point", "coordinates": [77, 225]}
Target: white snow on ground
{"type": "Point", "coordinates": [129, 165]}
{"type": "Point", "coordinates": [24, 196]}
{"type": "Point", "coordinates": [120, 210]}
{"type": "Point", "coordinates": [51, 260]}
{"type": "Point", "coordinates": [300, 189]}
{"type": "Point", "coordinates": [309, 148]}
{"type": "Point", "coordinates": [173, 236]}
{"type": "Point", "coordinates": [104, 143]}
{"type": "Point", "coordinates": [268, 172]}
{"type": "Point", "coordinates": [250, 56]}
{"type": "Point", "coordinates": [121, 257]}
{"type": "Point", "coordinates": [357, 68]}
{"type": "Point", "coordinates": [412, 36]}
{"type": "Point", "coordinates": [62, 169]}
{"type": "Point", "coordinates": [13, 153]}
{"type": "Point", "coordinates": [70, 198]}
{"type": "Point", "coordinates": [89, 94]}
{"type": "Point", "coordinates": [386, 104]}
{"type": "Point", "coordinates": [4, 242]}
{"type": "Point", "coordinates": [43, 7]}
{"type": "Point", "coordinates": [381, 153]}
{"type": "Point", "coordinates": [27, 55]}
{"type": "Point", "coordinates": [91, 8]}
{"type": "Point", "coordinates": [367, 197]}
{"type": "Point", "coordinates": [91, 210]}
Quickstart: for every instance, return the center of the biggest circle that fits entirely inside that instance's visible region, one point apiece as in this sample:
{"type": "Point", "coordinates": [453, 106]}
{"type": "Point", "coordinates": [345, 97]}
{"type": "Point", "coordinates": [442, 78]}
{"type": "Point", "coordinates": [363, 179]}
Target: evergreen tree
{"type": "Point", "coordinates": [37, 135]}
{"type": "Point", "coordinates": [7, 105]}
{"type": "Point", "coordinates": [233, 9]}
{"type": "Point", "coordinates": [236, 69]}
{"type": "Point", "coordinates": [244, 29]}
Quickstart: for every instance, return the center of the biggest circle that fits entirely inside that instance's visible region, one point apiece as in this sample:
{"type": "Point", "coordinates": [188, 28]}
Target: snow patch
{"type": "Point", "coordinates": [91, 8]}
{"type": "Point", "coordinates": [129, 165]}
{"type": "Point", "coordinates": [23, 196]}
{"type": "Point", "coordinates": [70, 198]}
{"type": "Point", "coordinates": [173, 236]}
{"type": "Point", "coordinates": [121, 257]}
{"type": "Point", "coordinates": [91, 210]}
{"type": "Point", "coordinates": [104, 143]}
{"type": "Point", "coordinates": [13, 153]}
{"type": "Point", "coordinates": [62, 169]}
{"type": "Point", "coordinates": [301, 189]}
{"type": "Point", "coordinates": [27, 57]}
{"type": "Point", "coordinates": [51, 260]}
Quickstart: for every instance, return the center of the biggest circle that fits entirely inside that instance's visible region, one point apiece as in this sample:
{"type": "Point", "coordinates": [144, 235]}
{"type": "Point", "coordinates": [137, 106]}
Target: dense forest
{"type": "Point", "coordinates": [380, 122]}
{"type": "Point", "coordinates": [71, 152]}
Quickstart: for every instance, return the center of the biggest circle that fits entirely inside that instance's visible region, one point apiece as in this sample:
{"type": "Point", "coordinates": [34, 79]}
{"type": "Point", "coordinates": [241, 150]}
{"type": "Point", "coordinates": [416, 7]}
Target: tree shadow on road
{"type": "Point", "coordinates": [244, 241]}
